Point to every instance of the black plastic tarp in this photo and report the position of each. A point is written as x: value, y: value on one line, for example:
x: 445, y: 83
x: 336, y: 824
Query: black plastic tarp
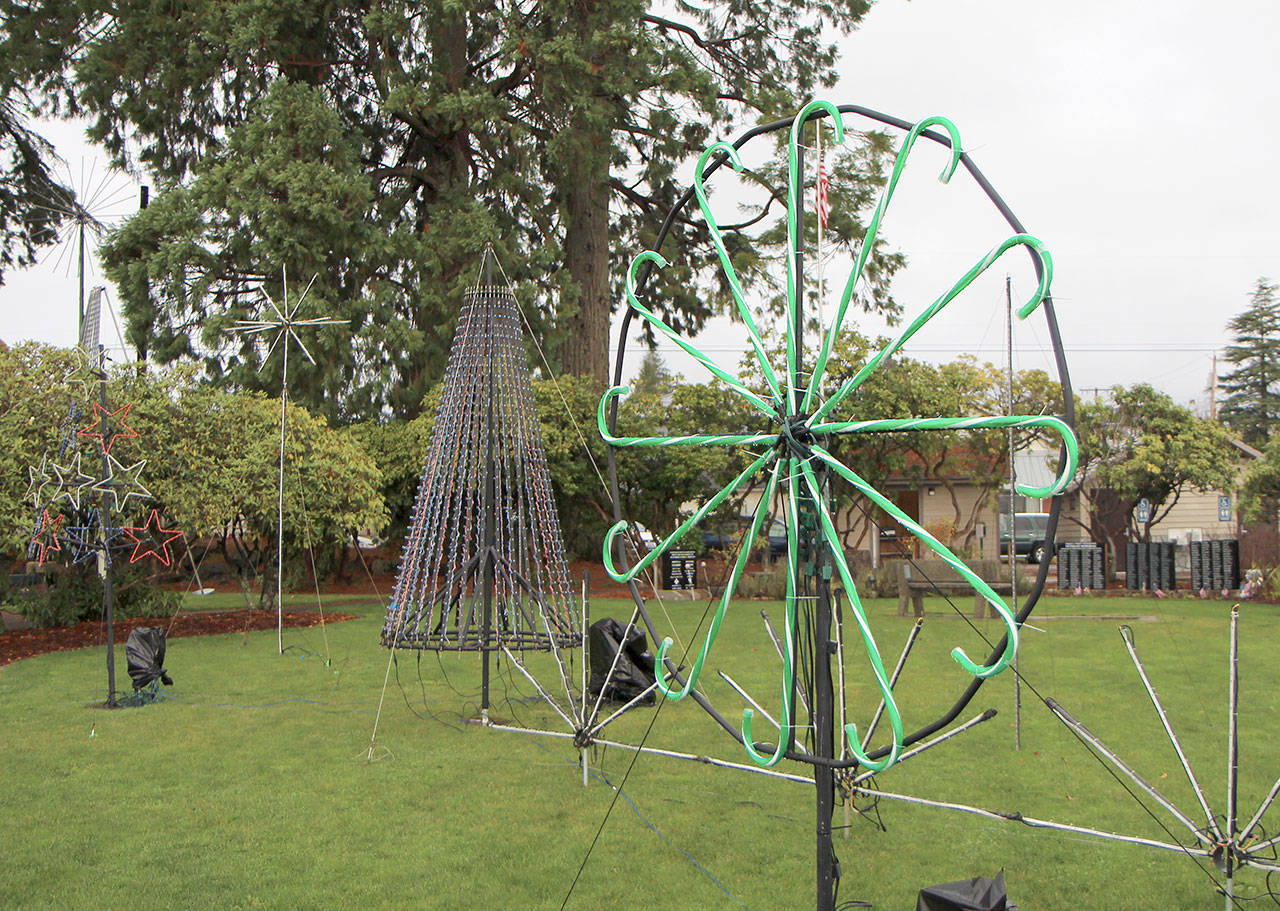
x: 632, y: 673
x: 977, y: 894
x: 145, y: 651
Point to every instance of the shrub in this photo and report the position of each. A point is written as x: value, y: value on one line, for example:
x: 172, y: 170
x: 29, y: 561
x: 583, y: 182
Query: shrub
x: 73, y: 596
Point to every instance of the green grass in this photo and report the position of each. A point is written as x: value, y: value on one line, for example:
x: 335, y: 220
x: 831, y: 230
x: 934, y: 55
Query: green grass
x: 250, y: 789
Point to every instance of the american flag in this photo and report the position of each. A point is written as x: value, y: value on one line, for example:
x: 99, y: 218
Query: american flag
x: 824, y: 201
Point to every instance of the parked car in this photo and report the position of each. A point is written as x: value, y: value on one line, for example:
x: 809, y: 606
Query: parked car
x: 727, y: 539
x: 1029, y: 536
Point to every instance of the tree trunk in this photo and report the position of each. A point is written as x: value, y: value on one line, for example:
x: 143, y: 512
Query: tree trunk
x: 586, y: 257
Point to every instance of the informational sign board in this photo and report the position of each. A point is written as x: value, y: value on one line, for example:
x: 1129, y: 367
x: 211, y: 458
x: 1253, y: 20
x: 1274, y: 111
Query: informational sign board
x: 680, y: 570
x: 1142, y: 512
x: 1224, y: 508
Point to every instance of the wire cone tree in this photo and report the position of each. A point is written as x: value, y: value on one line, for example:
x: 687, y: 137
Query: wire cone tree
x: 483, y: 564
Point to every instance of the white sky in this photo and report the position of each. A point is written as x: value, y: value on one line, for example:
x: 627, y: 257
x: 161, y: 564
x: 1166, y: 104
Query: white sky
x: 1135, y: 139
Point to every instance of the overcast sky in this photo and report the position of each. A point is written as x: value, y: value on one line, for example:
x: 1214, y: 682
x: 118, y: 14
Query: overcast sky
x: 1137, y: 140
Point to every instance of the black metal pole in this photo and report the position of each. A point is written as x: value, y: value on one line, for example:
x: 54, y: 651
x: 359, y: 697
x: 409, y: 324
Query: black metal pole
x: 490, y: 505
x: 823, y: 695
x: 1233, y: 756
x: 108, y: 593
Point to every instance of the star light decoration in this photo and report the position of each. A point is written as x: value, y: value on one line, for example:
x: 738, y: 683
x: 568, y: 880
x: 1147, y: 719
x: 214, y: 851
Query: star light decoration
x: 151, y: 539
x: 39, y: 483
x: 791, y: 449
x: 45, y: 540
x: 87, y: 539
x: 122, y: 482
x: 108, y: 425
x: 72, y: 482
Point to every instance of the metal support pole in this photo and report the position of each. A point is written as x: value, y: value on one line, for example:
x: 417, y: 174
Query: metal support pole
x: 1013, y: 561
x: 108, y: 589
x: 823, y: 695
x: 80, y: 276
x: 284, y: 400
x: 1126, y: 633
x: 586, y: 618
x: 487, y: 566
x: 1233, y: 755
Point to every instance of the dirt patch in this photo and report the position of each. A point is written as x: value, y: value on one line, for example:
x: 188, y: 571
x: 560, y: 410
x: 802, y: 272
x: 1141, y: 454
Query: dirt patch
x: 28, y: 643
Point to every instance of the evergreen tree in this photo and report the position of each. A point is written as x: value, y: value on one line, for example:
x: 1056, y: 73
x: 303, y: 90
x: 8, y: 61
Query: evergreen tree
x: 653, y: 378
x: 380, y: 145
x: 32, y: 201
x: 1251, y: 407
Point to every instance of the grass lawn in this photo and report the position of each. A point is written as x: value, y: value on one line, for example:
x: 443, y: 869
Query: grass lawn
x: 250, y: 788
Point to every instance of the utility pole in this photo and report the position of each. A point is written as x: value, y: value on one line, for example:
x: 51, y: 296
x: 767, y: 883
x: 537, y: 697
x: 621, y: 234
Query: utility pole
x: 1013, y: 522
x: 1213, y: 389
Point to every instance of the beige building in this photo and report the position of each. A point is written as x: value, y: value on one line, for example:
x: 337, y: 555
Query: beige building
x: 966, y: 517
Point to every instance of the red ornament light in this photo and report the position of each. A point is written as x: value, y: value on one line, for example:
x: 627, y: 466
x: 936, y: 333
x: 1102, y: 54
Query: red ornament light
x: 151, y: 539
x: 105, y: 428
x: 46, y: 537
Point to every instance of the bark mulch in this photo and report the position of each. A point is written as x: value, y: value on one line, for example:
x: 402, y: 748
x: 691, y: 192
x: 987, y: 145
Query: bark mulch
x: 27, y: 643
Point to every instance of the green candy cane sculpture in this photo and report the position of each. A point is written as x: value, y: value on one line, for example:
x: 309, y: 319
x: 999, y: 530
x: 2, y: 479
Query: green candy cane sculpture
x: 791, y: 451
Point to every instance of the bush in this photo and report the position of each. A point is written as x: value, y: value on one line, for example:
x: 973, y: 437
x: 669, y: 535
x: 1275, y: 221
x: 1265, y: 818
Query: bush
x: 73, y: 596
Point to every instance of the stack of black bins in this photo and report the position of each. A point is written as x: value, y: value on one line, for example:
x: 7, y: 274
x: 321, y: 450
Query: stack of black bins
x: 1081, y: 566
x: 1149, y: 566
x: 1215, y: 565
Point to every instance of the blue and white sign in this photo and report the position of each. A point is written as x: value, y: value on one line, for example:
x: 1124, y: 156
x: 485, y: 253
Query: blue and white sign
x: 1142, y: 512
x: 1224, y: 508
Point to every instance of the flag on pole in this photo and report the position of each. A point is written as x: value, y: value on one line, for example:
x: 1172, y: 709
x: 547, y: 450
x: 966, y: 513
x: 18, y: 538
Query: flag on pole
x: 824, y: 201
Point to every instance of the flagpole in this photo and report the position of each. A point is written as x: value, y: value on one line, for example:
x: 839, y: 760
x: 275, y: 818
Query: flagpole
x: 822, y: 265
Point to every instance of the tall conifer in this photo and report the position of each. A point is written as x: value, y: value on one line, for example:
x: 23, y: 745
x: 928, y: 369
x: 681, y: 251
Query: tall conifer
x: 1251, y: 407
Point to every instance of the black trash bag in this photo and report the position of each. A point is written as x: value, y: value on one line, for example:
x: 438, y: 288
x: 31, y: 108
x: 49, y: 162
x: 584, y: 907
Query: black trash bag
x: 145, y: 651
x: 977, y: 894
x: 633, y: 673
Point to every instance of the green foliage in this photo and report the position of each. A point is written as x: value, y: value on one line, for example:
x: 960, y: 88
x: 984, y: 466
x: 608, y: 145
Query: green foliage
x: 399, y: 448
x: 576, y: 459
x: 1260, y: 486
x: 214, y: 467
x: 76, y: 595
x: 34, y: 400
x: 1251, y: 407
x: 380, y: 147
x: 1143, y: 445
x: 212, y: 457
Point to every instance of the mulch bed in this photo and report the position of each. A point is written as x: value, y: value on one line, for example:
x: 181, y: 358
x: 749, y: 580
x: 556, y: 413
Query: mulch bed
x: 18, y: 644
x: 28, y: 643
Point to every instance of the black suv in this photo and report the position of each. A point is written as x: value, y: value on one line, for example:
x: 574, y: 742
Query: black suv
x: 1029, y: 536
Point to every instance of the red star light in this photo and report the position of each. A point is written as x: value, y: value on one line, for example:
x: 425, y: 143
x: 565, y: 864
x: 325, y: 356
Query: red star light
x: 46, y: 537
x: 108, y: 425
x: 151, y: 539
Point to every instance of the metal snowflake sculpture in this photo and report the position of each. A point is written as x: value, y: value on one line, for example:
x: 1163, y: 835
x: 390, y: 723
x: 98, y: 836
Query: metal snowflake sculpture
x: 799, y: 421
x: 285, y: 325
